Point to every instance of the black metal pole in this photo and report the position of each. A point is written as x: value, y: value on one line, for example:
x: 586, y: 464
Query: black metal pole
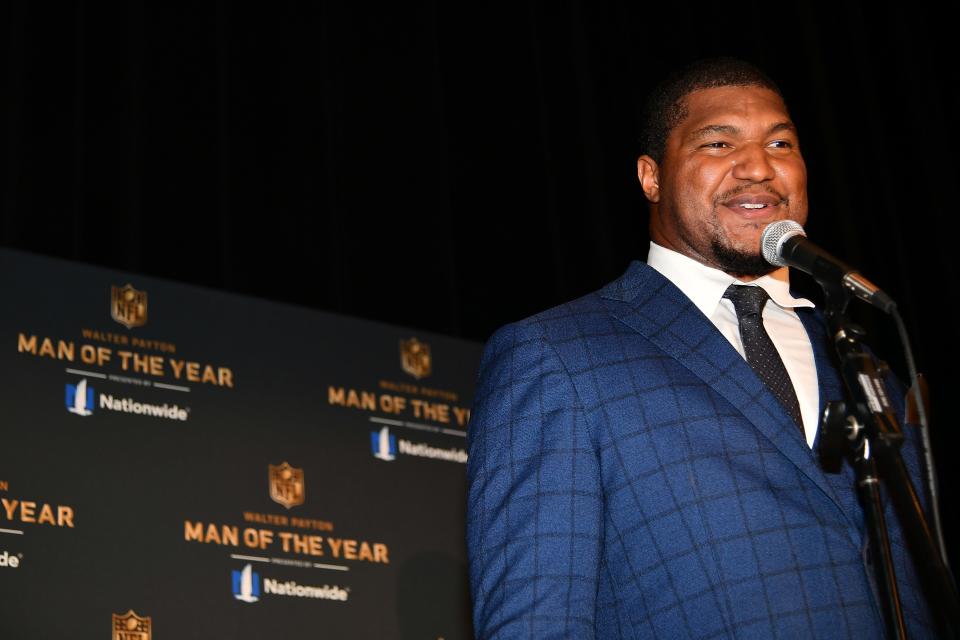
x: 934, y: 574
x: 868, y: 487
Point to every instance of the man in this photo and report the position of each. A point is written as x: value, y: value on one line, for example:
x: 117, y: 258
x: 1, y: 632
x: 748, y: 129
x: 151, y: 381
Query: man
x: 631, y: 475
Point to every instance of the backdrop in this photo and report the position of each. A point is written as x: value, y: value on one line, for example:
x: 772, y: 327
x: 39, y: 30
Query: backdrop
x: 195, y: 464
x: 455, y: 166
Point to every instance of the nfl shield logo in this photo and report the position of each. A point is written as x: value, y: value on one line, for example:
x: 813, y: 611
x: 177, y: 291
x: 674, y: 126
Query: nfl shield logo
x: 130, y: 626
x: 415, y: 357
x: 286, y: 485
x: 128, y: 306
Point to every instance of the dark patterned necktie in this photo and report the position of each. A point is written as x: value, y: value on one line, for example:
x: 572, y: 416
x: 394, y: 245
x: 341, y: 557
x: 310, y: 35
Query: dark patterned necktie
x: 761, y: 354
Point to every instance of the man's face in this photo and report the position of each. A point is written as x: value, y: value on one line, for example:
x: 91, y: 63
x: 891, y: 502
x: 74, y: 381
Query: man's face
x: 729, y: 169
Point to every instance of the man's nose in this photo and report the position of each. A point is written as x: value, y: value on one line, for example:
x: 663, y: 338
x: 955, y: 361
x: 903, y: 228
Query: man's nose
x: 752, y: 162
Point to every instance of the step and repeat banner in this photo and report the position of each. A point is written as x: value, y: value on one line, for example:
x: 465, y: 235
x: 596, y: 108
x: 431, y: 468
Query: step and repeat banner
x: 182, y: 463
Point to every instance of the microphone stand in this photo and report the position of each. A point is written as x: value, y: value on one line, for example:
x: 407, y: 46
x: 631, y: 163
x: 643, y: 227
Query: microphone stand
x: 866, y: 430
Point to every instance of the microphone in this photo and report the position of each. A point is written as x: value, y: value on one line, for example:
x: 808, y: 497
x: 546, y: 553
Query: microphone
x: 784, y: 244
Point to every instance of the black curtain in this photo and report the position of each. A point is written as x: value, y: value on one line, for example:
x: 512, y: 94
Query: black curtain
x: 455, y: 166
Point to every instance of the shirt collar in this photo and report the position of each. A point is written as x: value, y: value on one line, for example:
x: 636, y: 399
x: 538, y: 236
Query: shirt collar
x: 705, y: 285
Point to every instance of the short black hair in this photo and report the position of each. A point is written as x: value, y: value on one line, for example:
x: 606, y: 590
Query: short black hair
x: 666, y: 107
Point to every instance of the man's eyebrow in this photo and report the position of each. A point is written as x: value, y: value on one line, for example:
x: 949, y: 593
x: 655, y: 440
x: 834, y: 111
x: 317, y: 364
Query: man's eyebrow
x: 729, y: 129
x: 714, y: 129
x: 782, y: 126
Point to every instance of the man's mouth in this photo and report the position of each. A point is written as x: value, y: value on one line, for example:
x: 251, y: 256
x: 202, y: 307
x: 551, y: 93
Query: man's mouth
x: 752, y: 203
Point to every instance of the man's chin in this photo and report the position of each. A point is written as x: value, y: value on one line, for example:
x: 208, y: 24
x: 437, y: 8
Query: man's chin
x: 741, y: 263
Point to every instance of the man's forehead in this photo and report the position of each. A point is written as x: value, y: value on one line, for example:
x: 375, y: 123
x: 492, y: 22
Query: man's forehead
x: 734, y: 107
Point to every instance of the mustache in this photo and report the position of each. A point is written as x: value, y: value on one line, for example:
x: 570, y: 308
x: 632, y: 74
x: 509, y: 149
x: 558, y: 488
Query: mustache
x: 753, y: 188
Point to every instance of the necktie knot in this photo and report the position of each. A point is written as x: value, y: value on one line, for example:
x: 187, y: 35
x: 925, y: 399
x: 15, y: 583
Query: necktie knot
x: 746, y: 300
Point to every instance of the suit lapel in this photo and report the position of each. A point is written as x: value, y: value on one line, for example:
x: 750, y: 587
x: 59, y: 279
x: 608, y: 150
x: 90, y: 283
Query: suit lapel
x: 653, y: 306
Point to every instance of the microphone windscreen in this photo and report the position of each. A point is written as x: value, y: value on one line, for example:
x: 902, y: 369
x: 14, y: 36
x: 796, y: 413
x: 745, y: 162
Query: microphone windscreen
x: 773, y: 238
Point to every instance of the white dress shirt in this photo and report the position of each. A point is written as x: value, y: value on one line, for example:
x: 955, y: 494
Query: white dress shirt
x: 705, y: 286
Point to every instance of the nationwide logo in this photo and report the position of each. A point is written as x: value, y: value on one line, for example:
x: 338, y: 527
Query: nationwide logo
x: 291, y: 588
x: 415, y: 357
x: 130, y: 626
x: 128, y: 306
x: 286, y: 485
x: 383, y: 444
x: 129, y: 405
x: 246, y: 588
x: 80, y: 401
x: 80, y: 398
x: 246, y: 585
x: 386, y: 447
x: 8, y: 561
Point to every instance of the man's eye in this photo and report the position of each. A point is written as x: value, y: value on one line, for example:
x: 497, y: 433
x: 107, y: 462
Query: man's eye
x: 716, y: 145
x: 781, y: 144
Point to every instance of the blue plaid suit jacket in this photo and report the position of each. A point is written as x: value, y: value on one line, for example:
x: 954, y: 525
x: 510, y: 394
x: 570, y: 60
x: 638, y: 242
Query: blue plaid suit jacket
x: 629, y: 476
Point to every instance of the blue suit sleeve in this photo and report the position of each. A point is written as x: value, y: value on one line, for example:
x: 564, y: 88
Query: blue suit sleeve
x: 534, y: 504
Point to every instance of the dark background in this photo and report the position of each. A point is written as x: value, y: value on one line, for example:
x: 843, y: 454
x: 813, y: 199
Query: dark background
x: 454, y: 166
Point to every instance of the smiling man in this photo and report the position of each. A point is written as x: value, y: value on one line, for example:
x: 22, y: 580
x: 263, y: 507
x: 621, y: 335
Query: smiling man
x: 641, y: 459
x: 731, y: 167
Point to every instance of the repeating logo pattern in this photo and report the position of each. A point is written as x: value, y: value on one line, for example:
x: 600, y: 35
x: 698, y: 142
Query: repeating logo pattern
x: 130, y: 626
x: 286, y: 485
x: 383, y: 445
x: 80, y: 398
x: 128, y: 306
x: 246, y: 584
x: 415, y: 357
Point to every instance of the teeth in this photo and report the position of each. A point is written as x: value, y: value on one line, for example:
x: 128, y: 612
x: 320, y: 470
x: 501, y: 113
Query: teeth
x: 753, y: 206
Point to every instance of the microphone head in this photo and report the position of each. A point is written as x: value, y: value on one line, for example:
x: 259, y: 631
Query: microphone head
x: 776, y: 233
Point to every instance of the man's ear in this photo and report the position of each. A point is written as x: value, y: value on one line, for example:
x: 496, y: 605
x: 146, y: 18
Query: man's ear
x: 649, y: 174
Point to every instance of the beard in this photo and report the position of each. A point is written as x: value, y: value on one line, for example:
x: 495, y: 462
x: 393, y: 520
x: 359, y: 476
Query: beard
x: 739, y: 263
